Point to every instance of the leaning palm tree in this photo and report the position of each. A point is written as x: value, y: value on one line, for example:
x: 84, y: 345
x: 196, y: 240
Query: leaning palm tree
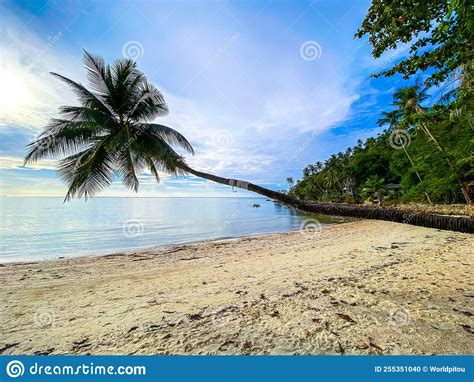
x: 112, y: 134
x: 407, y: 102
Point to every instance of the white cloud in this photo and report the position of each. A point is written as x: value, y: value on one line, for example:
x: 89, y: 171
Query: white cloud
x: 267, y: 99
x: 8, y: 163
x: 29, y: 95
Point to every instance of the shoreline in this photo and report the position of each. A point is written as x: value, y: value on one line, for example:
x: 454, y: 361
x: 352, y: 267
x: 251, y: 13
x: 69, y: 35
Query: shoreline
x: 364, y: 287
x: 164, y: 247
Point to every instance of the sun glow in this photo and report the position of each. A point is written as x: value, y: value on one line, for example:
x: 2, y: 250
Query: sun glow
x: 14, y: 91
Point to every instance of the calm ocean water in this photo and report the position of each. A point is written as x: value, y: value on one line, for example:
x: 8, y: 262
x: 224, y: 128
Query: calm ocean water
x: 44, y: 228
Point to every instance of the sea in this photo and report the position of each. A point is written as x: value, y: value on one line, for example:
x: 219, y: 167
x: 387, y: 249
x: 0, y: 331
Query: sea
x: 45, y: 228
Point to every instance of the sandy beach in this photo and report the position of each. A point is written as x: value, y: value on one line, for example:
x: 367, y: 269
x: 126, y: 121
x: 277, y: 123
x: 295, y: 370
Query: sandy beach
x: 365, y: 287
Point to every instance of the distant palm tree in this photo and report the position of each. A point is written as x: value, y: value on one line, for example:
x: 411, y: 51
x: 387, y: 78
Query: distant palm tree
x: 290, y: 182
x: 333, y: 173
x: 319, y: 166
x: 112, y: 132
x: 392, y: 119
x: 373, y: 189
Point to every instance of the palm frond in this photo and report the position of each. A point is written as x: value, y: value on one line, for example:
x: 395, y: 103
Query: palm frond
x: 149, y: 105
x: 87, y: 98
x: 62, y: 137
x: 87, y: 172
x: 169, y: 135
x: 80, y: 113
x: 128, y: 159
x: 152, y: 165
x: 165, y: 159
x: 97, y: 74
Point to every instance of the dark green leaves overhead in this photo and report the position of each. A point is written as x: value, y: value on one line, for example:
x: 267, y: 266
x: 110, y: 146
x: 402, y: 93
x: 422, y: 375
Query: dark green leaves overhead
x: 439, y: 34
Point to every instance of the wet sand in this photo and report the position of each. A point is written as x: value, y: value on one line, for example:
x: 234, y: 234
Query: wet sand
x: 365, y: 287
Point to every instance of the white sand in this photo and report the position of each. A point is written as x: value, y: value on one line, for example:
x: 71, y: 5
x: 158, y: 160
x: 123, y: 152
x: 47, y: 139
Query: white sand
x: 366, y: 287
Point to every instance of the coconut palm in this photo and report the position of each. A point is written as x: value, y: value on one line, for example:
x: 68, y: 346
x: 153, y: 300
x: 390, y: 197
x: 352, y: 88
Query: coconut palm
x: 407, y: 102
x: 112, y: 134
x: 392, y: 119
x: 373, y: 189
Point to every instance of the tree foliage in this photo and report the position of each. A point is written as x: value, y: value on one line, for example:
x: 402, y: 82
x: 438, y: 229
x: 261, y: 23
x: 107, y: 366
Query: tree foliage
x: 427, y: 149
x: 439, y: 34
x: 414, y: 161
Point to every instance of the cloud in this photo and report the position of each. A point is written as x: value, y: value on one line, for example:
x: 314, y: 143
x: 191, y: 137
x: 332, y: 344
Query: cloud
x: 246, y: 100
x: 29, y: 95
x: 17, y: 163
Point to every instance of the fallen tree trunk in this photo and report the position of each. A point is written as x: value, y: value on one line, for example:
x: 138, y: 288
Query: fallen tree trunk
x: 452, y: 223
x: 445, y: 222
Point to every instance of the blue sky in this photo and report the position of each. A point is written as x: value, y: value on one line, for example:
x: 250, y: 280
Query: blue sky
x: 260, y: 88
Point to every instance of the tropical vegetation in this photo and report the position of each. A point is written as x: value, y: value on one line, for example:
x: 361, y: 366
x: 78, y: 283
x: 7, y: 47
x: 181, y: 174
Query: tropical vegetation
x: 427, y: 146
x: 427, y: 152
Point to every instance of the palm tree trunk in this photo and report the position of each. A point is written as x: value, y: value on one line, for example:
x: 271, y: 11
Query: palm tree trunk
x: 416, y: 172
x: 461, y: 224
x: 446, y: 156
x: 431, y: 136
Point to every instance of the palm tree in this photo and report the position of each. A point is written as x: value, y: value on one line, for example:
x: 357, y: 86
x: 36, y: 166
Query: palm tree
x: 373, y: 189
x: 112, y: 133
x: 290, y: 182
x: 392, y: 119
x: 407, y: 102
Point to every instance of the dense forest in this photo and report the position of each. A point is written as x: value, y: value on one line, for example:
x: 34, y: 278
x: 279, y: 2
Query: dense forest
x: 425, y: 152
